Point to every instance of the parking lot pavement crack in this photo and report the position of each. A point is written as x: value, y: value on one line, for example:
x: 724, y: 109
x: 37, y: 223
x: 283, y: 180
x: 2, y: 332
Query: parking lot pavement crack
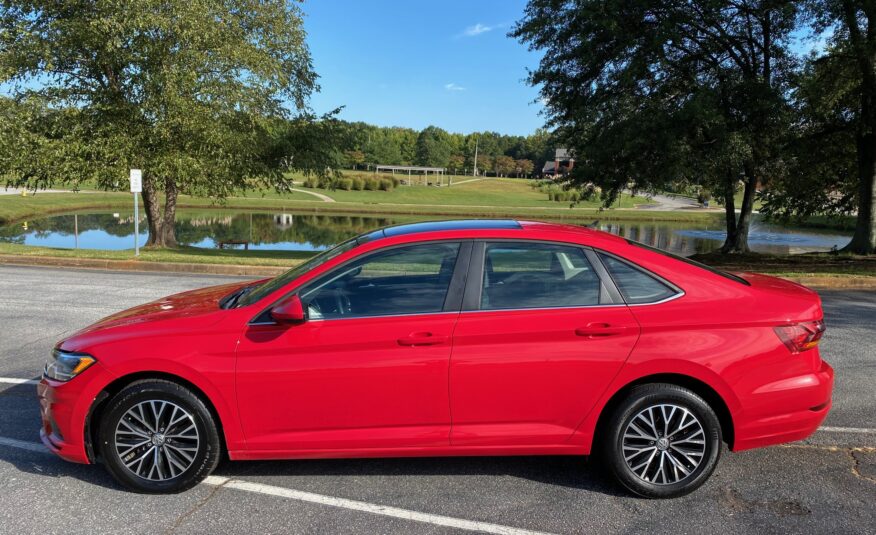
x: 853, y: 452
x: 197, y: 507
x: 856, y: 467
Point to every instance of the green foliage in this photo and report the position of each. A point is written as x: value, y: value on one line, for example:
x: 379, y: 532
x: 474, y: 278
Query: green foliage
x: 650, y: 93
x: 191, y: 92
x: 434, y: 147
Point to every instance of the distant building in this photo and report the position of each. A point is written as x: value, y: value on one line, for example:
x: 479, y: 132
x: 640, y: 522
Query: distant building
x: 562, y: 164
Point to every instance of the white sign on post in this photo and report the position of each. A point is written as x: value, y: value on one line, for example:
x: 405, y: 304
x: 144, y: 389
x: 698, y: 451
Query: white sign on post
x: 136, y: 187
x: 136, y: 181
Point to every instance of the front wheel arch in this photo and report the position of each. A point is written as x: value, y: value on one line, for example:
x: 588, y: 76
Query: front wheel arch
x: 100, y: 404
x: 698, y: 387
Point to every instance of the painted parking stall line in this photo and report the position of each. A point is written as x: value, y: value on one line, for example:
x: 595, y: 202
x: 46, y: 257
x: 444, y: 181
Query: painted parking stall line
x: 331, y: 501
x: 384, y: 510
x: 17, y: 381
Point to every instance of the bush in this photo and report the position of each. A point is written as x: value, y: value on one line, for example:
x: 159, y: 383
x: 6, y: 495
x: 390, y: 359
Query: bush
x: 310, y: 182
x: 358, y: 183
x: 370, y: 184
x: 385, y: 184
x: 345, y: 184
x: 395, y: 182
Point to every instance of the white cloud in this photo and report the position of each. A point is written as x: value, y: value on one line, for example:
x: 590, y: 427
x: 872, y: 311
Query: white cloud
x: 477, y: 29
x: 453, y: 87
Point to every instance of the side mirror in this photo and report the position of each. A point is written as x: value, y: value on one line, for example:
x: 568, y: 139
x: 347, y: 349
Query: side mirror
x: 289, y: 311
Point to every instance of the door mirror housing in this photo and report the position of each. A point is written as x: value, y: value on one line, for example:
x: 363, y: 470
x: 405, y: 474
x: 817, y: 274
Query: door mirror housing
x: 290, y: 310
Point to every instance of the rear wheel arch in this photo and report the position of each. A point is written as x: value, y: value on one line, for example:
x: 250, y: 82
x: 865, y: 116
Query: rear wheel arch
x: 100, y: 405
x: 697, y: 386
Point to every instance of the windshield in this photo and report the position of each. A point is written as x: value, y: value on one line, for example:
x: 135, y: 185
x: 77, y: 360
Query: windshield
x: 278, y: 282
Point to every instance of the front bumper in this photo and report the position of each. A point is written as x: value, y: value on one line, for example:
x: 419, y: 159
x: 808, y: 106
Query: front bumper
x: 786, y: 410
x: 64, y: 410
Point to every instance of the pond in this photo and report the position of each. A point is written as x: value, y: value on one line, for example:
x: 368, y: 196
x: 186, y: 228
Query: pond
x: 313, y: 232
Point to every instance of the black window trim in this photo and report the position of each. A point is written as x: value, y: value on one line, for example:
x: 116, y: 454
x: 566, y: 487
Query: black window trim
x: 452, y: 301
x: 679, y: 292
x: 472, y: 299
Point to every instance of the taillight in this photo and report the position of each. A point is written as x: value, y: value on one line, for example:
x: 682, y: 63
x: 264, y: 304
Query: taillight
x: 801, y: 336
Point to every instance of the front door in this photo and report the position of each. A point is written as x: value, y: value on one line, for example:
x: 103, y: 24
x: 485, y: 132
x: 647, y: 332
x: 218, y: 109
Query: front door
x: 540, y: 348
x: 368, y: 368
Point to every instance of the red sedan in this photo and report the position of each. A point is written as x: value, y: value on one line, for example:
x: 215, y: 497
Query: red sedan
x: 482, y: 337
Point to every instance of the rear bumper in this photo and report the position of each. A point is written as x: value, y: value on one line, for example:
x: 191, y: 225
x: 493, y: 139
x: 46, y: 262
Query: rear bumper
x: 785, y: 411
x: 64, y: 408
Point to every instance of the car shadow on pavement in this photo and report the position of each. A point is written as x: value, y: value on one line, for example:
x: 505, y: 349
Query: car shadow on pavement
x: 566, y: 471
x: 20, y: 420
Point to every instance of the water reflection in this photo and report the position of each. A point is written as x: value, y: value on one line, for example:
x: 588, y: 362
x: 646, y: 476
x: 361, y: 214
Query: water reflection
x: 311, y: 232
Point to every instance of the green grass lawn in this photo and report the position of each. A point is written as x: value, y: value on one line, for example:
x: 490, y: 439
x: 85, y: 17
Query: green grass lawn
x: 504, y: 192
x: 793, y: 265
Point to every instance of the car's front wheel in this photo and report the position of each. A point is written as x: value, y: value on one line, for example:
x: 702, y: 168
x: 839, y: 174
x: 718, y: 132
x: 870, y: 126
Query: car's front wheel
x: 157, y: 436
x: 662, y: 441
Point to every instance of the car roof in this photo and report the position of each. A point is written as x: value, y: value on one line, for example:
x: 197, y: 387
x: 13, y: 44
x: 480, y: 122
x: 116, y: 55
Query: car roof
x: 525, y: 227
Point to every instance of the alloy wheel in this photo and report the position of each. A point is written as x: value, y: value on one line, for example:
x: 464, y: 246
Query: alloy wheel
x: 663, y: 444
x: 157, y: 440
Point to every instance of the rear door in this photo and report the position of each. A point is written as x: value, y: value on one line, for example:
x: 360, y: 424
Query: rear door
x: 539, y: 339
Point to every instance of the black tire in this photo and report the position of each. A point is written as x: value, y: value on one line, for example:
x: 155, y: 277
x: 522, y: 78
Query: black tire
x: 196, y: 421
x: 646, y: 481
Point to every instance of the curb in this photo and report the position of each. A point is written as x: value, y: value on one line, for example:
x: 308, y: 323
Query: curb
x: 137, y: 265
x: 816, y: 282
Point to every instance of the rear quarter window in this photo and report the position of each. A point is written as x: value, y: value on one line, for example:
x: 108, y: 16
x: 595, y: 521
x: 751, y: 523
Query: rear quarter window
x: 636, y: 285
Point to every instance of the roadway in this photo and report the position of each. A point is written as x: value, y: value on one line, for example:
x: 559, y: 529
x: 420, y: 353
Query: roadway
x: 824, y: 484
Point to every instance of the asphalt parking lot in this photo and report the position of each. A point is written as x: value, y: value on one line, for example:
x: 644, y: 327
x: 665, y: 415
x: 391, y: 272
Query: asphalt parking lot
x: 825, y: 484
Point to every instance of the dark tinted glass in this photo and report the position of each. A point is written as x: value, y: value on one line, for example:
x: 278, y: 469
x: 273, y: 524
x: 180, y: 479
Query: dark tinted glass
x: 278, y: 282
x: 404, y: 280
x: 537, y: 275
x: 635, y: 285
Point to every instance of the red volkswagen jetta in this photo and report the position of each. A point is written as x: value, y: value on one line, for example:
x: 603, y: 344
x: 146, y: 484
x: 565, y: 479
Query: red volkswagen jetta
x: 480, y: 337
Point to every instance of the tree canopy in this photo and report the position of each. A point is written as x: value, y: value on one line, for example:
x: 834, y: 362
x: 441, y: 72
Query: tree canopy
x: 188, y: 91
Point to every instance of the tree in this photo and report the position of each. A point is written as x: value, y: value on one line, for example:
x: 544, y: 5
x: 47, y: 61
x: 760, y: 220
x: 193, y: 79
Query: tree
x: 456, y: 162
x: 485, y: 164
x: 434, y: 147
x: 191, y: 92
x: 355, y: 158
x: 524, y: 167
x: 505, y: 165
x: 853, y: 50
x: 646, y: 93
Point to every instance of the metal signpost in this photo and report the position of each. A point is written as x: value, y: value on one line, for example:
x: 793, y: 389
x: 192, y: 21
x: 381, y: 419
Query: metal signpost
x: 136, y: 187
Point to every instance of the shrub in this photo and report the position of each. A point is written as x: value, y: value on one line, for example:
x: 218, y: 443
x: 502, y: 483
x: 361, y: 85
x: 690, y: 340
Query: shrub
x: 370, y: 184
x: 345, y: 184
x: 395, y: 182
x: 358, y: 183
x: 385, y: 184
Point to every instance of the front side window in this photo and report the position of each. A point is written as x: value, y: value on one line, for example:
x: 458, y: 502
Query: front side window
x: 537, y: 275
x: 403, y: 280
x: 635, y: 285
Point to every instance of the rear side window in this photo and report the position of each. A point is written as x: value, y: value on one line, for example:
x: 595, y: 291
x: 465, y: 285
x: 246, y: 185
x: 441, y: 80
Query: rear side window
x: 537, y: 275
x: 635, y: 285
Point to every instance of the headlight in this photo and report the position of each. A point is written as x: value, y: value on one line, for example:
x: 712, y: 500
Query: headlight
x: 65, y: 366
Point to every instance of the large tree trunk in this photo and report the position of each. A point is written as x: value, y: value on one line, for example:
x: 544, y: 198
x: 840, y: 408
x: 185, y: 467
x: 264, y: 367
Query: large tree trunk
x: 153, y: 212
x: 737, y: 229
x: 168, y: 232
x: 161, y: 226
x: 863, y: 44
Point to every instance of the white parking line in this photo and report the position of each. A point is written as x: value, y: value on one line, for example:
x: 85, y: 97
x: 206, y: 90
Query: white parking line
x: 406, y: 514
x: 23, y: 445
x: 331, y: 501
x: 17, y: 381
x: 862, y: 430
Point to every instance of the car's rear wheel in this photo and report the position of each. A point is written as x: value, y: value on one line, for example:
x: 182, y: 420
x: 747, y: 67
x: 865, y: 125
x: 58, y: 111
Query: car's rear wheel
x: 662, y: 441
x: 157, y: 436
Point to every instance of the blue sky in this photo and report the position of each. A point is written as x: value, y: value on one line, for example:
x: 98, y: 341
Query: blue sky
x: 417, y: 63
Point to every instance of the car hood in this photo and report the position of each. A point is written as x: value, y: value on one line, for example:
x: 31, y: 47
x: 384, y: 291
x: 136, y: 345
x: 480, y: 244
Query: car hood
x: 181, y: 305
